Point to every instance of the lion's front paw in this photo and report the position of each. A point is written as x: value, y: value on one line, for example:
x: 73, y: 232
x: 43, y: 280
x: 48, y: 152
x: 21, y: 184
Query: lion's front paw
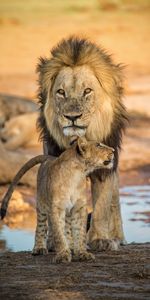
x: 39, y: 251
x: 104, y: 244
x: 84, y: 256
x: 63, y: 256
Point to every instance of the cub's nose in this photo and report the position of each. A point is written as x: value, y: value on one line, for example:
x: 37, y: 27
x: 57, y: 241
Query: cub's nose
x: 111, y: 155
x: 73, y: 118
x: 3, y: 139
x: 110, y: 158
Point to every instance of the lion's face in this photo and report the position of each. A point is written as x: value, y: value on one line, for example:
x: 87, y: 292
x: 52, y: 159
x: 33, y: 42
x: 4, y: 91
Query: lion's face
x: 74, y: 95
x: 76, y: 106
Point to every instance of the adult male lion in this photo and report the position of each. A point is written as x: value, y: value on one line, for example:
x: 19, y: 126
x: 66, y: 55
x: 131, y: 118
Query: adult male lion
x: 80, y: 94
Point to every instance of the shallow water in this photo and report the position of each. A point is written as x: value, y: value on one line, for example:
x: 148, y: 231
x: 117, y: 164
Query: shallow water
x: 16, y: 239
x: 135, y: 207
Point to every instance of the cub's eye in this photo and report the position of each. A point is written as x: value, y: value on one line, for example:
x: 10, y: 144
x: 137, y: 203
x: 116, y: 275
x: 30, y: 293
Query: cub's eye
x: 87, y: 91
x: 61, y: 92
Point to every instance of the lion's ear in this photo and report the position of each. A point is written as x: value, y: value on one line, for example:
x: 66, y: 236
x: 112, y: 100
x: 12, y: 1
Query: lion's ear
x: 81, y: 145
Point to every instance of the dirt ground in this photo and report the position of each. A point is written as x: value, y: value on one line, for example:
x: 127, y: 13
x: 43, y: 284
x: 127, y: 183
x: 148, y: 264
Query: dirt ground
x: 120, y: 275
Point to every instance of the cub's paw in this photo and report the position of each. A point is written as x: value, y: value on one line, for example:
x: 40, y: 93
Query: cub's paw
x: 84, y: 256
x: 39, y: 251
x: 105, y: 244
x: 63, y: 257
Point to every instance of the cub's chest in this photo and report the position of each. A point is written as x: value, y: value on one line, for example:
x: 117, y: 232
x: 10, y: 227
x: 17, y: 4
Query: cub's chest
x: 76, y: 194
x: 71, y: 201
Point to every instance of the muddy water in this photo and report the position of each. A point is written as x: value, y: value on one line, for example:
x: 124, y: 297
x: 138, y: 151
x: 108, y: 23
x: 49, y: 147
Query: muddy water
x: 135, y: 207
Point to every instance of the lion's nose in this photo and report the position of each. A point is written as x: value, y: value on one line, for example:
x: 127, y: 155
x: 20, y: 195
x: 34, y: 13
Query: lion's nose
x: 72, y: 118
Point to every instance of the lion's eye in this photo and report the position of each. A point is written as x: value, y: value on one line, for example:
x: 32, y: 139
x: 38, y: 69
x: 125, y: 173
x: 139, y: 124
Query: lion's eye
x: 61, y: 92
x: 87, y: 91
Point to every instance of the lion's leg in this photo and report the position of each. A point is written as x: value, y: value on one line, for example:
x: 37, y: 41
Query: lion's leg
x: 79, y: 221
x: 41, y: 232
x: 50, y: 239
x: 63, y: 253
x: 115, y: 225
x: 98, y: 235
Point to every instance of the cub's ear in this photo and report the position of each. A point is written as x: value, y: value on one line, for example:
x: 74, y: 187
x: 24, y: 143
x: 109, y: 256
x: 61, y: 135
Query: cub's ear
x: 81, y: 145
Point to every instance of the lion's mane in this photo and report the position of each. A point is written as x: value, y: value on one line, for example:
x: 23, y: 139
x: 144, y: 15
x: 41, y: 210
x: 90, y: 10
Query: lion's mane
x: 77, y: 52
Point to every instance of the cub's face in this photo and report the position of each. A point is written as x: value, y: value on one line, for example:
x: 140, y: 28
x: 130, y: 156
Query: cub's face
x: 96, y: 155
x: 74, y: 95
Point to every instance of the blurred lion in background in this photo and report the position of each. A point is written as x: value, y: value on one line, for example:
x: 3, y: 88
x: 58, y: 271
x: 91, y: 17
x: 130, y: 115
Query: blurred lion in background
x: 20, y: 131
x: 18, y: 116
x: 80, y: 91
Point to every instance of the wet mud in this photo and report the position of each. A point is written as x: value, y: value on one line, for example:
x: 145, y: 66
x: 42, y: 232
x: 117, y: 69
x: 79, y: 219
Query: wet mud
x: 124, y: 274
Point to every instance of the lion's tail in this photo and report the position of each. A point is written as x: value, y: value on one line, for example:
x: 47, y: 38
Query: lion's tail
x: 28, y: 165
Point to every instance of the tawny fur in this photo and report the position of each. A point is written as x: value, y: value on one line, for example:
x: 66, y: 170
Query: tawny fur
x: 12, y: 106
x: 74, y: 65
x: 61, y: 199
x: 20, y: 131
x: 92, y: 67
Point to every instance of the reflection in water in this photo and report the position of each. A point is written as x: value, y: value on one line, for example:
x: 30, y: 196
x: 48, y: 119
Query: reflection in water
x: 16, y: 240
x: 18, y: 232
x: 135, y: 207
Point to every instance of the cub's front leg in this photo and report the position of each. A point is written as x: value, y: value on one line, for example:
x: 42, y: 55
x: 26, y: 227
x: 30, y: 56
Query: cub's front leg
x: 50, y: 239
x: 63, y: 252
x: 79, y: 223
x: 41, y: 232
x: 68, y: 231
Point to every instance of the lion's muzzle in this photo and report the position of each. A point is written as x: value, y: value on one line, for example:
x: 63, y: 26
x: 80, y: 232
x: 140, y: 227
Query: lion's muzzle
x: 74, y: 130
x: 73, y: 117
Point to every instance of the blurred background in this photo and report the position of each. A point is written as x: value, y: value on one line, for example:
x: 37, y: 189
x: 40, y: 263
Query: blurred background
x: 28, y: 30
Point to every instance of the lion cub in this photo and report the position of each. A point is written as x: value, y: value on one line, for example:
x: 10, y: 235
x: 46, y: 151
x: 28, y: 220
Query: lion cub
x: 61, y: 199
